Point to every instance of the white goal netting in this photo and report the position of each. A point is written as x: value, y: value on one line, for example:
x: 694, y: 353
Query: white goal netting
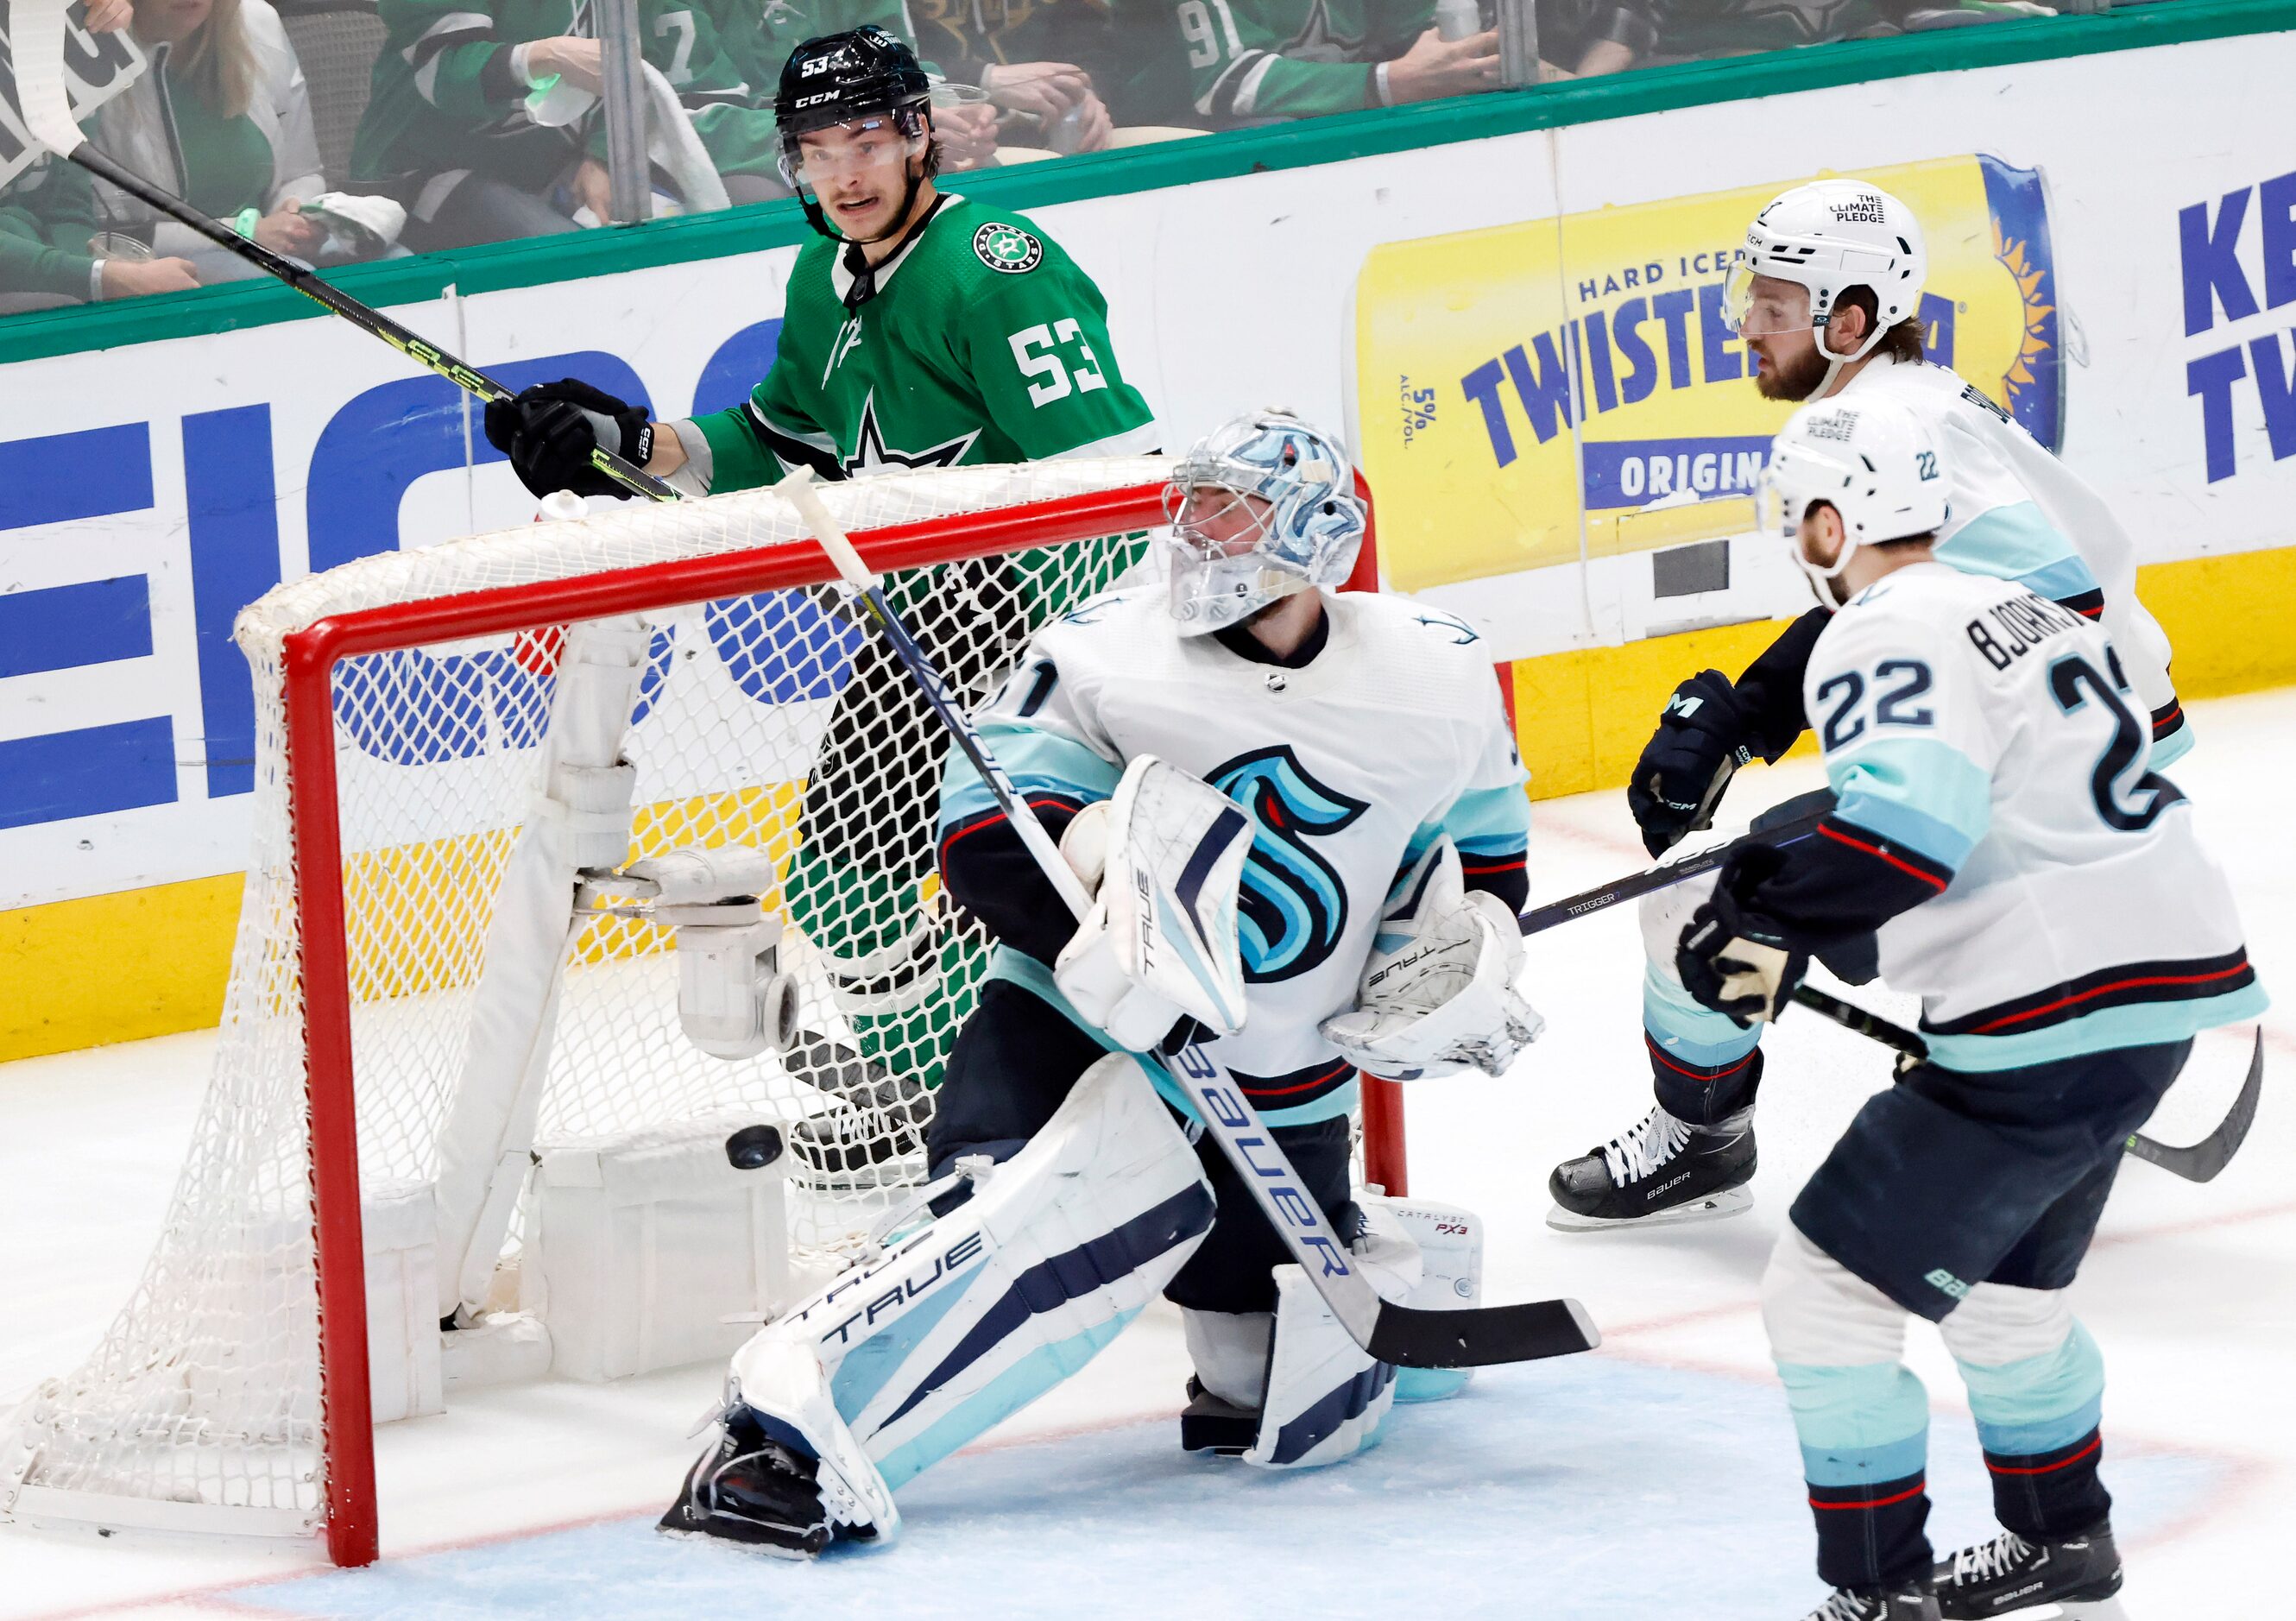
x: 772, y: 720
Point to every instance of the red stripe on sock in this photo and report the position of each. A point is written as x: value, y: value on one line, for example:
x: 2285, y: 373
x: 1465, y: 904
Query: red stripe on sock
x: 1695, y: 1075
x: 1878, y: 1503
x: 2095, y: 1442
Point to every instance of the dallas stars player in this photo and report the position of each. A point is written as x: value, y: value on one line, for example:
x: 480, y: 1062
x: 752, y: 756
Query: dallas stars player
x: 924, y: 331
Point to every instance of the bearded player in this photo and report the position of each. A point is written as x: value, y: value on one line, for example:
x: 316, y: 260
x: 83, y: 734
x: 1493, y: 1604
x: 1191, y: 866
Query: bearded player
x: 1323, y: 791
x: 925, y: 331
x: 1824, y: 294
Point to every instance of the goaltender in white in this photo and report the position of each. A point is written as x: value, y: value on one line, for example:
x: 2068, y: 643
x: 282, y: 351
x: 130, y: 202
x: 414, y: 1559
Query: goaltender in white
x: 1303, y: 820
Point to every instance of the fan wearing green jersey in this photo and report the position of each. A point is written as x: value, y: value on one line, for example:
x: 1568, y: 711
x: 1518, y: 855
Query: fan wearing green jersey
x: 924, y: 330
x: 1240, y: 62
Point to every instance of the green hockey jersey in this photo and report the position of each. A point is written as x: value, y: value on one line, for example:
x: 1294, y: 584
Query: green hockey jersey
x: 446, y: 96
x: 47, y: 213
x: 983, y: 343
x: 1227, y: 62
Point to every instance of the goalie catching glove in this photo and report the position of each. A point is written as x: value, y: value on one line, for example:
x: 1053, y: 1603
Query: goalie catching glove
x: 1165, y: 857
x: 1437, y: 995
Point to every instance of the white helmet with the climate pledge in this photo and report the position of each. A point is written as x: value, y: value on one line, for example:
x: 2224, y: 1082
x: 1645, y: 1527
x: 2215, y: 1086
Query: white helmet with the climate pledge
x: 1830, y: 236
x: 1878, y: 463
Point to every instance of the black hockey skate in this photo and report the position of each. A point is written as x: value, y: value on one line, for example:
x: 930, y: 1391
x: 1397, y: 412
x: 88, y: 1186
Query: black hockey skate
x: 1664, y: 1170
x: 755, y: 1491
x: 877, y: 1123
x: 2009, y: 1576
x: 1914, y: 1602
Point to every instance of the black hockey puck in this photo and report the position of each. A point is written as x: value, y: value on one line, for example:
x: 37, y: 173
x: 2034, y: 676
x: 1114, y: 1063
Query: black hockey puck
x: 753, y: 1147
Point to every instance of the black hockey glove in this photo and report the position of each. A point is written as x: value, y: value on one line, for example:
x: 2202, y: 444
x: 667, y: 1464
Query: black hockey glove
x: 1702, y: 738
x: 549, y: 431
x: 1733, y: 959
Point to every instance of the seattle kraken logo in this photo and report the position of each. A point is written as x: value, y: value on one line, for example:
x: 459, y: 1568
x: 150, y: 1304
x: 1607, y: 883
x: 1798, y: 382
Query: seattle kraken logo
x: 1293, y: 908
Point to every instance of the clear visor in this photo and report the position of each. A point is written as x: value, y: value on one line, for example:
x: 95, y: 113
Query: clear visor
x: 1774, y: 512
x: 820, y: 156
x: 1762, y: 305
x: 1210, y: 521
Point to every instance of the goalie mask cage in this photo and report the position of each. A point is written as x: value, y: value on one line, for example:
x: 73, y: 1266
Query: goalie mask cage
x: 403, y: 703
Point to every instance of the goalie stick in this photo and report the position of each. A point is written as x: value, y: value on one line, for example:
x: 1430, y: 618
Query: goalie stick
x: 1472, y: 1337
x: 2200, y: 1162
x: 38, y: 41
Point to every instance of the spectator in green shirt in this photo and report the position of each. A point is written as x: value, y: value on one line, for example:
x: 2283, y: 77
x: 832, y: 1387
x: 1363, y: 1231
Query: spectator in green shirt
x: 222, y: 118
x: 47, y: 218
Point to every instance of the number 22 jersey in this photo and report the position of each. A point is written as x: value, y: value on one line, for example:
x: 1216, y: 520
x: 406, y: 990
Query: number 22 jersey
x: 1982, y: 741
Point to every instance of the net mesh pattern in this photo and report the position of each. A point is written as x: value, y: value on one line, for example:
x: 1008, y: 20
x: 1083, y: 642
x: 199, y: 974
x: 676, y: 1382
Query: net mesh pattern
x: 772, y: 720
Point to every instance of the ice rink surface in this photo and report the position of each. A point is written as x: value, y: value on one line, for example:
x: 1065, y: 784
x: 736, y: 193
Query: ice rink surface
x: 1655, y: 1478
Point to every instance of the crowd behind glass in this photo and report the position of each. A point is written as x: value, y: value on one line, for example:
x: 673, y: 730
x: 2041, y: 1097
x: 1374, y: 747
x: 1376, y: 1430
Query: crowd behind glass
x: 342, y: 130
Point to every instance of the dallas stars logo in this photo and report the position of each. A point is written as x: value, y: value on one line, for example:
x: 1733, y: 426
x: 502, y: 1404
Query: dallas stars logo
x: 1007, y: 249
x: 872, y: 455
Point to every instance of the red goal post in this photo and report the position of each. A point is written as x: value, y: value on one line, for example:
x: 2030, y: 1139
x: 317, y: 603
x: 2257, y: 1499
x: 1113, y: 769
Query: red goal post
x: 306, y: 953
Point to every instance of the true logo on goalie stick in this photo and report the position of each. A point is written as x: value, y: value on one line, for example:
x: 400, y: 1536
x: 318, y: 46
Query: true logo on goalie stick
x: 1007, y: 249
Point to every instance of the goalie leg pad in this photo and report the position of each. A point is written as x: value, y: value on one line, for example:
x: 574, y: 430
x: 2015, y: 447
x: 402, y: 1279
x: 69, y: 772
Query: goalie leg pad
x: 968, y: 1319
x: 1326, y: 1396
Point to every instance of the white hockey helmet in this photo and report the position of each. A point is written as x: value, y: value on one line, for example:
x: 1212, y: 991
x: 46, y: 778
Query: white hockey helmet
x: 1830, y: 236
x: 1878, y: 463
x: 1230, y: 557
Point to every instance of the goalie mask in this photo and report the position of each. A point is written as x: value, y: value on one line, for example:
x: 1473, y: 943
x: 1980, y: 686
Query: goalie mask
x: 1261, y: 507
x: 868, y: 84
x: 1877, y: 464
x: 1828, y: 237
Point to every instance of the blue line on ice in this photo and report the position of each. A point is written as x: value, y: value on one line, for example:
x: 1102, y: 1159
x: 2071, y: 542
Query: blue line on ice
x: 1592, y: 1489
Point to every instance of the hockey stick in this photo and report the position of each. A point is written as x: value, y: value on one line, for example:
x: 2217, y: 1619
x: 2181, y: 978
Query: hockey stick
x: 1638, y: 884
x: 1402, y: 1335
x: 47, y: 109
x: 2199, y: 1163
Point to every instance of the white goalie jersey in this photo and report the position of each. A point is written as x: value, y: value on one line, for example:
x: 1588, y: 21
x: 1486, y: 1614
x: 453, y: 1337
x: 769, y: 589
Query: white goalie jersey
x: 1350, y: 767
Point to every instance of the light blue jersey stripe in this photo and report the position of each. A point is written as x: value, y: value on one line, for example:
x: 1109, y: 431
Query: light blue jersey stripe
x: 2013, y: 543
x: 1919, y: 791
x: 2170, y: 749
x: 1036, y: 760
x: 2060, y: 582
x: 1857, y: 1425
x: 2146, y: 1024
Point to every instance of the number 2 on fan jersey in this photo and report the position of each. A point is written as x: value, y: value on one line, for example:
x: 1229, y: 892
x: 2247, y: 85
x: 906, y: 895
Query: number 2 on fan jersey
x: 1035, y: 350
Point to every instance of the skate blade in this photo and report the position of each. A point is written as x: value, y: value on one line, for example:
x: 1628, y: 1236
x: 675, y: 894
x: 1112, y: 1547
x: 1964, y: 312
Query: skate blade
x: 1711, y: 1207
x: 2092, y: 1610
x: 740, y: 1545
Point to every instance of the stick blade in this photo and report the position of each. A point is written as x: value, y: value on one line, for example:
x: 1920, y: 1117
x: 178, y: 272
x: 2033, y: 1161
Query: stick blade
x: 37, y: 41
x: 2206, y: 1159
x: 1483, y: 1336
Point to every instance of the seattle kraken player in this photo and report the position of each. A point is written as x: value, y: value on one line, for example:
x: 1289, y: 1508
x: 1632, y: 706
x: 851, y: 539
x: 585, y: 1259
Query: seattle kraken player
x: 1325, y: 783
x: 1999, y: 832
x: 1824, y: 294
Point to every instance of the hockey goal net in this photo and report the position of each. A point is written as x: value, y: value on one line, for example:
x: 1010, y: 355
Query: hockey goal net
x: 405, y: 708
